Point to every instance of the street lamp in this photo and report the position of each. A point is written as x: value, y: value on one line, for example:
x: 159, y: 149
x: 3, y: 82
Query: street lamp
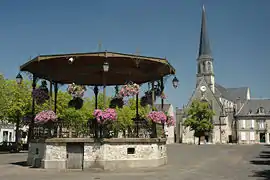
x: 105, y: 66
x: 175, y: 82
x: 19, y: 78
x: 105, y: 70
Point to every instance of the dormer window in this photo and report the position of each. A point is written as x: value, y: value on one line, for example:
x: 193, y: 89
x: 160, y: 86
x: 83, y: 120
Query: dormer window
x: 260, y: 110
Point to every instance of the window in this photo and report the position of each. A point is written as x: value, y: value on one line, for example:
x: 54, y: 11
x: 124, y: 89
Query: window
x: 261, y: 124
x: 5, y: 136
x: 260, y: 110
x: 243, y: 124
x: 243, y: 136
x: 252, y: 124
x: 252, y: 136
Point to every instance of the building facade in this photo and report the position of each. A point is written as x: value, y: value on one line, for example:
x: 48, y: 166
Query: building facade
x: 7, y: 132
x: 236, y: 116
x: 253, y: 122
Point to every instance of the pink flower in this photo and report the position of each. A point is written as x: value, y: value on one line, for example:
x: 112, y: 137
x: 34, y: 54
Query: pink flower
x: 129, y: 90
x: 106, y: 115
x: 157, y: 117
x: 170, y: 121
x: 45, y: 116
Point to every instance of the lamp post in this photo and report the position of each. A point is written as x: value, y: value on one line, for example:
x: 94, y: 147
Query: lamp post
x: 19, y: 80
x: 105, y: 70
x: 175, y: 82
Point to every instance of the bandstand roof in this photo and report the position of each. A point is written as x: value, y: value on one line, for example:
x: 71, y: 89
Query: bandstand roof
x: 87, y: 68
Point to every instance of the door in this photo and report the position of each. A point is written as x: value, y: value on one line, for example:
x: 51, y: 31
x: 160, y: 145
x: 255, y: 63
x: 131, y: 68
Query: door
x: 74, y: 156
x: 262, y: 137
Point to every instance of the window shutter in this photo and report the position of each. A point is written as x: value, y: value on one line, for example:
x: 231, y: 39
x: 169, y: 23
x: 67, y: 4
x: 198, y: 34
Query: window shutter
x: 252, y: 136
x: 243, y: 136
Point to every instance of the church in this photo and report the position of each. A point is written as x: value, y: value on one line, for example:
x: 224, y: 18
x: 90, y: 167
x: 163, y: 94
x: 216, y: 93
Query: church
x: 238, y: 117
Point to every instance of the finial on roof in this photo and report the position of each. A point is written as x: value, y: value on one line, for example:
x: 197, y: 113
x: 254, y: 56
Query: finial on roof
x: 204, y: 48
x: 99, y: 46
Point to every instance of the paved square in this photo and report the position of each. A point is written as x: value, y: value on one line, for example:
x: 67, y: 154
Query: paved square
x: 187, y: 162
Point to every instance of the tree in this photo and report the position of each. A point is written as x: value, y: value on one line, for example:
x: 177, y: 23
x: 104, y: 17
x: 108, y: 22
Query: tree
x: 199, y: 117
x: 127, y: 113
x: 17, y: 102
x: 3, y: 96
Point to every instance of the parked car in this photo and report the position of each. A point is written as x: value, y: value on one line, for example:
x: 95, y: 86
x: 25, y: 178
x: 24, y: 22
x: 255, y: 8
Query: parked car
x: 12, y: 147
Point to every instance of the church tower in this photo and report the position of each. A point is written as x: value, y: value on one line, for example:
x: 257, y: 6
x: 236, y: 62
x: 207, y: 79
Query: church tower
x: 205, y: 61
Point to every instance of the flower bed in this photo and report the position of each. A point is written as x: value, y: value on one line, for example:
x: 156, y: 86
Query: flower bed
x: 106, y: 115
x: 45, y: 116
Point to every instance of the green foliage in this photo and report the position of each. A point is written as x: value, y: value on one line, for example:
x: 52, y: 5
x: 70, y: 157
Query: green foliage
x: 127, y: 113
x: 199, y: 118
x: 68, y: 114
x: 17, y: 99
x: 3, y: 96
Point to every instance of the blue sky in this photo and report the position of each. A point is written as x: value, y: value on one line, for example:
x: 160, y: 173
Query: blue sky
x: 238, y: 31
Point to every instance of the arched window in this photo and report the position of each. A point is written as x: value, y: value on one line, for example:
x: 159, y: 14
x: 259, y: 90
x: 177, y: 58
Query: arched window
x: 205, y: 67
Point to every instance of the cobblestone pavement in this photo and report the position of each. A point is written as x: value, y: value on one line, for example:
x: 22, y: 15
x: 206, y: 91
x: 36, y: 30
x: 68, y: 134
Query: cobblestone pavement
x: 186, y: 162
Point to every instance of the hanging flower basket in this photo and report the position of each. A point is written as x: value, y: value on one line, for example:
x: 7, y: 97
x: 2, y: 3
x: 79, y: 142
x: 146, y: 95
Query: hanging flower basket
x: 117, y: 102
x: 40, y: 95
x: 158, y: 117
x: 105, y: 116
x: 147, y: 98
x: 76, y: 90
x: 45, y: 117
x: 76, y: 102
x: 130, y: 89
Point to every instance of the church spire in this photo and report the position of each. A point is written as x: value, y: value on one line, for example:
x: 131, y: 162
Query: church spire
x: 204, y: 49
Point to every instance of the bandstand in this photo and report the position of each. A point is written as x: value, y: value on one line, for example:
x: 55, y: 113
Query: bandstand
x: 93, y: 149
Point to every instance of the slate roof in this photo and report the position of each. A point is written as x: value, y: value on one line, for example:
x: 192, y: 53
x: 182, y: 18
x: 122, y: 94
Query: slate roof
x: 204, y: 48
x: 251, y: 107
x: 165, y: 107
x: 231, y: 93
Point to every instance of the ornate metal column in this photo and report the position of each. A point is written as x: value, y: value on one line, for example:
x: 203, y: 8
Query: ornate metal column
x: 96, y: 106
x: 31, y: 125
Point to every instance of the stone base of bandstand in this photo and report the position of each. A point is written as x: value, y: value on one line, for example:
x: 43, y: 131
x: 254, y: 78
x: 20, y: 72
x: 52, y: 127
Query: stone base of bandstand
x: 107, y: 154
